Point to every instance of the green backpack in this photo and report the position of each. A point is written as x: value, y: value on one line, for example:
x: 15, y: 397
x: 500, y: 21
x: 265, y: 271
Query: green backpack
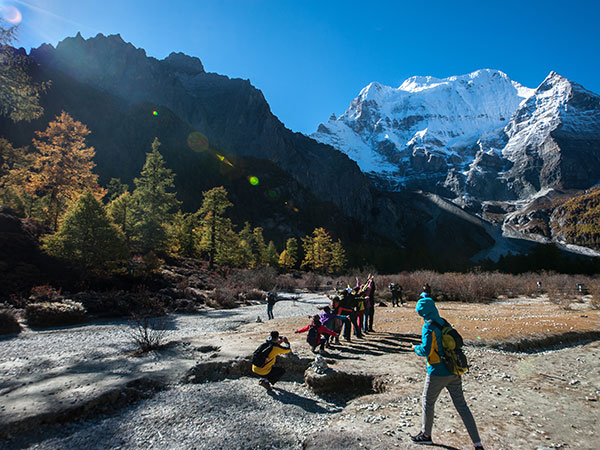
x: 452, y: 342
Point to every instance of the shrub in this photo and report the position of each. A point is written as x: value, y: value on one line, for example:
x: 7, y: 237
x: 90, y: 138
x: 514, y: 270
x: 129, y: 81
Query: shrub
x: 286, y: 283
x: 8, y: 322
x: 265, y: 278
x: 47, y: 314
x: 252, y: 294
x: 147, y: 332
x: 223, y: 297
x: 44, y: 293
x: 311, y: 281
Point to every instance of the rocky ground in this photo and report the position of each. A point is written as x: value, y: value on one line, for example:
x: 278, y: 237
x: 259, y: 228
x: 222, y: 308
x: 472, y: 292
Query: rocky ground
x: 83, y: 386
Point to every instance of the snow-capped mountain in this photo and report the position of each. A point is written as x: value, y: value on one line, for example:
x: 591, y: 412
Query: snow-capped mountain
x: 479, y: 135
x: 551, y: 141
x: 424, y: 126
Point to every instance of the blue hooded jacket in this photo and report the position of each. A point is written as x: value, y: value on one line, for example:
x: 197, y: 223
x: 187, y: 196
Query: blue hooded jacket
x: 431, y: 338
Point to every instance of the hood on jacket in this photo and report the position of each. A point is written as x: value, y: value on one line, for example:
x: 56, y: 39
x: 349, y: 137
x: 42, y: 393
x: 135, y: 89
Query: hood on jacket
x: 427, y: 310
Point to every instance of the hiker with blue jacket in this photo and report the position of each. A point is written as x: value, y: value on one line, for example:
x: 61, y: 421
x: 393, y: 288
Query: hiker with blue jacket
x: 438, y: 375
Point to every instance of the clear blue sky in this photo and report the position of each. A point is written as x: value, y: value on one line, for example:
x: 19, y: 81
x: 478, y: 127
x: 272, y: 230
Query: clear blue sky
x: 311, y: 58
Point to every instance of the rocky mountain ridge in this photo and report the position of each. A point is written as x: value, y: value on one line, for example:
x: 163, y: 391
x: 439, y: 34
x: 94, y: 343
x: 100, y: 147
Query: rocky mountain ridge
x: 231, y: 113
x: 482, y: 140
x: 479, y: 135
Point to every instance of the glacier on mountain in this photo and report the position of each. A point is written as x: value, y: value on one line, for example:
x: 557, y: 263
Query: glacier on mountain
x: 479, y: 136
x: 385, y: 127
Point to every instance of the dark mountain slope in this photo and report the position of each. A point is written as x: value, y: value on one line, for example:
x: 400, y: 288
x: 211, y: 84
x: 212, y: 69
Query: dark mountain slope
x: 232, y: 113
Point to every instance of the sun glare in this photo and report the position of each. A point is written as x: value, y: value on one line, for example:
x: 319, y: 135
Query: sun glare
x: 11, y: 14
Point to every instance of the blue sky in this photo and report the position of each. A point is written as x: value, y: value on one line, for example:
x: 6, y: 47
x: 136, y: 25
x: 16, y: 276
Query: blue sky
x: 311, y: 58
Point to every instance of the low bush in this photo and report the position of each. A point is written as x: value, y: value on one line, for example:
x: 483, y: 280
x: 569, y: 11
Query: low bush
x: 44, y: 293
x: 48, y: 314
x: 147, y: 332
x: 286, y: 283
x: 8, y: 322
x: 311, y: 281
x: 223, y: 297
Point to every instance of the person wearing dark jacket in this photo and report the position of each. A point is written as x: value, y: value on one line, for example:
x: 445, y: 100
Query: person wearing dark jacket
x: 347, y: 307
x: 316, y: 329
x: 271, y: 300
x: 439, y: 377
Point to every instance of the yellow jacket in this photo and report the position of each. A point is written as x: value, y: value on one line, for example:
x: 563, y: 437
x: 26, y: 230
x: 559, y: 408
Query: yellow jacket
x: 277, y: 350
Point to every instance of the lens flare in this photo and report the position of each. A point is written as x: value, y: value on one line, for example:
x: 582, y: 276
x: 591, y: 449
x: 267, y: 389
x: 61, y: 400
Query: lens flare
x: 197, y: 141
x: 155, y: 113
x: 224, y: 160
x: 11, y: 14
x: 253, y: 180
x: 273, y: 194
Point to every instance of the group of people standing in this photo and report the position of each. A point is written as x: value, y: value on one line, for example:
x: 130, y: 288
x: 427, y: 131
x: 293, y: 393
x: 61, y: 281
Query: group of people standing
x: 352, y: 307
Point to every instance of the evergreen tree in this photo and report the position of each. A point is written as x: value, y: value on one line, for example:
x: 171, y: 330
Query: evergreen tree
x: 63, y: 165
x: 184, y: 234
x: 19, y: 95
x: 154, y: 203
x: 243, y: 254
x: 213, y: 226
x: 272, y: 255
x: 122, y: 211
x: 227, y: 246
x: 87, y: 237
x: 115, y: 188
x: 15, y: 167
x: 289, y: 257
x: 338, y: 257
x: 259, y: 248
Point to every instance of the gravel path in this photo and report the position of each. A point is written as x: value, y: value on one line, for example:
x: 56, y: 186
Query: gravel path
x: 38, y: 351
x: 232, y: 413
x: 228, y: 414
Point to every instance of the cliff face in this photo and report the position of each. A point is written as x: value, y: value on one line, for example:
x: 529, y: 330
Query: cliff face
x: 231, y: 113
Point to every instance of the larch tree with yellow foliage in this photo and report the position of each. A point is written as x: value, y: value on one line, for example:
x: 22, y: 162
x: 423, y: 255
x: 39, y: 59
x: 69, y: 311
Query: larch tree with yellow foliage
x: 289, y: 257
x: 62, y: 166
x: 317, y: 250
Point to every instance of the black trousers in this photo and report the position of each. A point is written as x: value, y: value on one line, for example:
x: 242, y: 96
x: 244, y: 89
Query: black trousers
x: 275, y: 374
x: 347, y: 331
x: 369, y: 314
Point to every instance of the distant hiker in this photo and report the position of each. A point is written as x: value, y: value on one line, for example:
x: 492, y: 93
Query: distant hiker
x: 263, y: 359
x: 370, y: 300
x: 539, y: 286
x: 315, y: 330
x: 580, y: 288
x: 271, y: 300
x: 439, y: 377
x: 396, y: 291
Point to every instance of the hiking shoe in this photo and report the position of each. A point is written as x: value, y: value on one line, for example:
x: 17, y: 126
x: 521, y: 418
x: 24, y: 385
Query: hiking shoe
x: 421, y: 438
x: 478, y: 447
x: 265, y: 383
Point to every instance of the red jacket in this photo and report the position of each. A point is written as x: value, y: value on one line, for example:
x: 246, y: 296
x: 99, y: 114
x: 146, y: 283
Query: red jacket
x: 321, y: 330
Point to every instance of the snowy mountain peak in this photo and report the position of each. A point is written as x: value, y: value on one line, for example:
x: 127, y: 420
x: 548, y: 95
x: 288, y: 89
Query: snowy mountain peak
x: 386, y: 126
